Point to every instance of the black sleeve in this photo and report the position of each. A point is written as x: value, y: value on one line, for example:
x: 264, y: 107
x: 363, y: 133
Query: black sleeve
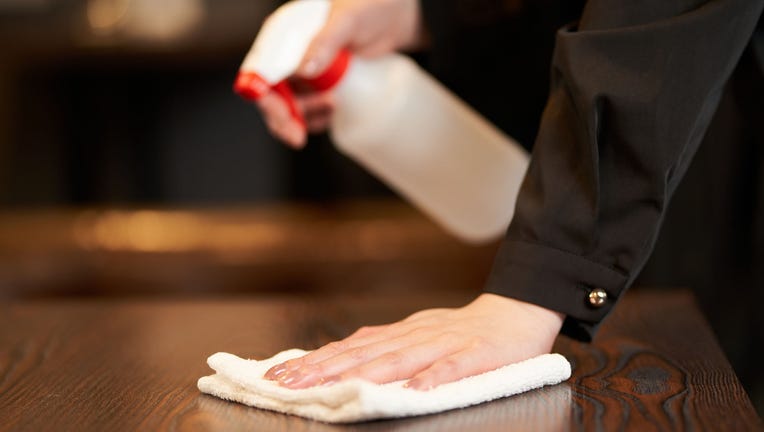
x: 634, y: 87
x: 490, y: 52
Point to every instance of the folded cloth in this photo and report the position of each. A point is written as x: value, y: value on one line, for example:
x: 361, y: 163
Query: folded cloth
x: 242, y: 381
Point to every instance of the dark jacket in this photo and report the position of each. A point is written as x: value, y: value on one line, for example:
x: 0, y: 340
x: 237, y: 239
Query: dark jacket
x: 634, y: 87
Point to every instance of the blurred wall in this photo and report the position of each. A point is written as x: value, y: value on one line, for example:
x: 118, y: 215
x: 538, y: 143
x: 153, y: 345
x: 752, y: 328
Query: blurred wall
x: 130, y: 101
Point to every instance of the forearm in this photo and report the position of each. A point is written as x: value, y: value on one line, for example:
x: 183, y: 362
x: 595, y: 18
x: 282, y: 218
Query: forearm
x: 634, y: 88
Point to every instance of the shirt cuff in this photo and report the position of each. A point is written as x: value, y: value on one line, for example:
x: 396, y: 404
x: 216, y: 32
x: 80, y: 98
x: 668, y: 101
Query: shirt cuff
x: 584, y: 290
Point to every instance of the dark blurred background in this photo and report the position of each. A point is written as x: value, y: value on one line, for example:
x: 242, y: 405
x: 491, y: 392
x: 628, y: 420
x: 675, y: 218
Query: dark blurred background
x: 129, y: 101
x: 128, y: 167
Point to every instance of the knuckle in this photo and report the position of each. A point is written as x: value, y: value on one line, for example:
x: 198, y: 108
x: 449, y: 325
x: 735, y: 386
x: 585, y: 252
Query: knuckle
x: 393, y: 358
x: 448, y: 366
x: 419, y: 333
x: 336, y: 347
x: 398, y: 328
x: 479, y: 343
x: 343, y: 18
x: 363, y: 331
x: 417, y: 315
x: 358, y: 354
x: 423, y: 313
x: 315, y: 369
x: 447, y: 338
x: 428, y: 314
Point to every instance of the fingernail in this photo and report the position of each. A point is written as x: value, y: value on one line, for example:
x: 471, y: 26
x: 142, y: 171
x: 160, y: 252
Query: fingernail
x: 330, y: 381
x: 290, y: 378
x: 418, y: 385
x: 300, y: 380
x: 275, y: 372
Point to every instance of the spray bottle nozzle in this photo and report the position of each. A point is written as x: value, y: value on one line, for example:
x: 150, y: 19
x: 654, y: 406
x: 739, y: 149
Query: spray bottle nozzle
x: 329, y: 78
x: 252, y: 86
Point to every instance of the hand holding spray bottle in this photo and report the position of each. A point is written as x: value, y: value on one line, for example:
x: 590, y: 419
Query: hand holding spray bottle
x: 399, y: 123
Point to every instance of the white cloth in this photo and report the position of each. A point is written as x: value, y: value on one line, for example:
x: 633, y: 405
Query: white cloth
x: 242, y: 381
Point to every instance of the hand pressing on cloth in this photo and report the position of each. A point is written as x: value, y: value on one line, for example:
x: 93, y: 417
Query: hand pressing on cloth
x: 368, y: 28
x: 433, y: 361
x: 431, y: 347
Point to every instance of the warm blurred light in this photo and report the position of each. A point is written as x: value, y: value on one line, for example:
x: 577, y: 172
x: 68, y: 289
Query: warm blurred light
x: 158, y: 20
x: 153, y: 231
x: 105, y: 16
x: 163, y: 20
x: 237, y: 240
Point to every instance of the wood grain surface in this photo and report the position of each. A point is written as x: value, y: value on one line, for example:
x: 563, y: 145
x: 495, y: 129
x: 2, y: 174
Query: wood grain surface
x: 110, y: 365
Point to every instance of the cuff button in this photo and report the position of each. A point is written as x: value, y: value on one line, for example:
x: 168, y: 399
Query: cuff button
x: 597, y: 297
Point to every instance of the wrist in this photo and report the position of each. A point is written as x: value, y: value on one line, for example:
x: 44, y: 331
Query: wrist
x: 546, y: 320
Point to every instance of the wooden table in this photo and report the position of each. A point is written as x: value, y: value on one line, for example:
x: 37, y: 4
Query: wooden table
x: 109, y: 365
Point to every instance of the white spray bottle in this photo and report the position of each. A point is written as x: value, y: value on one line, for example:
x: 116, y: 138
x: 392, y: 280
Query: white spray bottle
x: 400, y: 124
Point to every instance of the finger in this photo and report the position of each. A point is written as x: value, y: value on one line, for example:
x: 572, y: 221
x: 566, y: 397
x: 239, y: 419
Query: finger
x: 355, y: 360
x: 292, y: 134
x: 324, y: 48
x: 401, y: 364
x: 316, y: 102
x: 280, y: 122
x: 318, y: 109
x: 362, y: 336
x: 454, y: 367
x: 318, y: 123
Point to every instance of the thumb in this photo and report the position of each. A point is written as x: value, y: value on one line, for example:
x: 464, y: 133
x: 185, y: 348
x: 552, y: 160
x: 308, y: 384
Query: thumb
x: 325, y: 47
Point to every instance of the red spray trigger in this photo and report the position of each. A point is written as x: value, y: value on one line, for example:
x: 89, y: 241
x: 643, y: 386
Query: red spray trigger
x: 251, y: 86
x: 332, y: 75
